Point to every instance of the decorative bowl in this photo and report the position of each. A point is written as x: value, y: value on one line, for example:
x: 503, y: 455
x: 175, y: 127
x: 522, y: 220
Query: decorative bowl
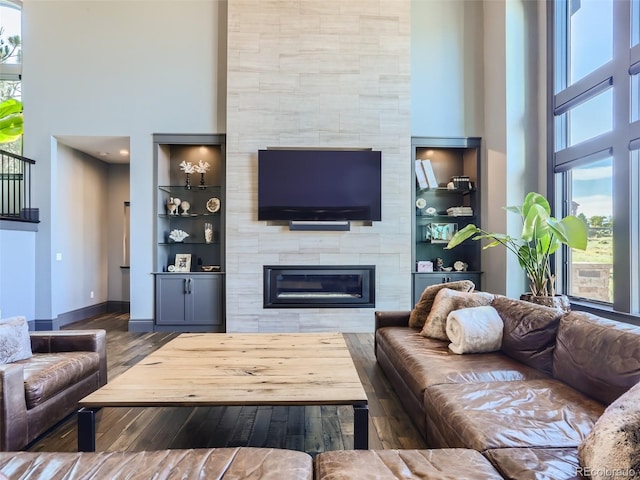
x: 210, y: 268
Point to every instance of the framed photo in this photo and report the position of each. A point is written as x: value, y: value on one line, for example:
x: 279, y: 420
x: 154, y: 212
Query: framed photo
x: 183, y: 262
x: 441, y: 232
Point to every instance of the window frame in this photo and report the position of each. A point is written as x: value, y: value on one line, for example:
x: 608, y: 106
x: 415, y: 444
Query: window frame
x: 12, y: 71
x: 619, y: 143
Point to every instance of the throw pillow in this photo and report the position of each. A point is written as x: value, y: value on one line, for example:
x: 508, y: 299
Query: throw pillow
x: 613, y: 445
x: 15, y: 343
x: 423, y: 306
x: 529, y: 332
x: 447, y: 301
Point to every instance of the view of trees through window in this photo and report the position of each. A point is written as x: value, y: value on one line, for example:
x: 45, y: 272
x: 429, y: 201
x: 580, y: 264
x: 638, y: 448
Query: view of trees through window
x: 594, y: 123
x: 10, y: 60
x: 591, y: 200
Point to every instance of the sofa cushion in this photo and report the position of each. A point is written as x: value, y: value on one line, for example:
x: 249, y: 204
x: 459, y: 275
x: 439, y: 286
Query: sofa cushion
x: 614, y: 442
x: 46, y: 375
x: 421, y: 309
x: 445, y: 302
x: 535, y: 463
x: 599, y: 357
x: 533, y: 413
x: 15, y: 343
x: 529, y: 333
x: 441, y: 464
x: 237, y: 463
x: 424, y: 361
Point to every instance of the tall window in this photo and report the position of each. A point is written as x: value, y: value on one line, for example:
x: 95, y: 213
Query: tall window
x: 11, y: 57
x: 596, y: 116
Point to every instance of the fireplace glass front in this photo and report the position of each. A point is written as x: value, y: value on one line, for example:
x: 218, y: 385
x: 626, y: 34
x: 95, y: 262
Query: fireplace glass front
x: 339, y: 286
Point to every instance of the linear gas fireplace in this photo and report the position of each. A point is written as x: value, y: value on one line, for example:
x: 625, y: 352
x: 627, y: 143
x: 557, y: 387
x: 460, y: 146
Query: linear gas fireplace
x: 336, y: 286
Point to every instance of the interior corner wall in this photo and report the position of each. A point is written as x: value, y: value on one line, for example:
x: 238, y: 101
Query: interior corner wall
x: 317, y: 73
x: 81, y: 231
x: 513, y: 138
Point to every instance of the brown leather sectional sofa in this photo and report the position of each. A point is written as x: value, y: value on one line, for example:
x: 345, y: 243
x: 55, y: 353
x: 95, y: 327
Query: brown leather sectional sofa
x: 519, y: 413
x: 38, y: 392
x: 527, y: 407
x: 248, y: 463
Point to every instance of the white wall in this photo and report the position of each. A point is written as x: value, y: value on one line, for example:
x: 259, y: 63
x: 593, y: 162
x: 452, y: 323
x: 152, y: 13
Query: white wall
x: 116, y: 68
x: 81, y: 233
x: 515, y: 143
x: 446, y: 68
x: 17, y: 271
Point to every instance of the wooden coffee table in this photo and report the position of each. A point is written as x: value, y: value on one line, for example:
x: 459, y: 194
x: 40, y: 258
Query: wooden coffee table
x: 207, y: 369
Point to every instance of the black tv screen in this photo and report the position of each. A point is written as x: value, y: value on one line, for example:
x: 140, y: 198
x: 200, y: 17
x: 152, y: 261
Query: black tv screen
x: 321, y: 185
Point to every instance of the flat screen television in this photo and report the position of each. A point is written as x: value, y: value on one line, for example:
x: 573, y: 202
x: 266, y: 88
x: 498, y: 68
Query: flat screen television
x: 319, y: 185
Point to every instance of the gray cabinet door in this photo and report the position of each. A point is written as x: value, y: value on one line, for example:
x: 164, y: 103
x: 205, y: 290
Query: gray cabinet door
x: 204, y: 300
x: 170, y: 299
x: 423, y: 280
x: 189, y: 299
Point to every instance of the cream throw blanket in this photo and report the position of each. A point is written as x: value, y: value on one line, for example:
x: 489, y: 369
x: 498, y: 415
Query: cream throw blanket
x: 474, y: 330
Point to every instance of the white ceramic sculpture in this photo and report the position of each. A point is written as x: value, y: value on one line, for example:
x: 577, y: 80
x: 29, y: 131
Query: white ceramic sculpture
x: 178, y: 235
x: 185, y: 206
x: 171, y: 207
x: 208, y: 233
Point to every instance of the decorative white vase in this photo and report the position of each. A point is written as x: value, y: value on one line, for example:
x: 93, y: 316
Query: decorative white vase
x: 208, y: 233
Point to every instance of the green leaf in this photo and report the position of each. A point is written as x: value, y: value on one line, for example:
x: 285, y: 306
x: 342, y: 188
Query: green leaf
x: 9, y: 107
x: 499, y: 237
x: 571, y: 231
x: 495, y: 243
x: 533, y: 200
x: 11, y: 120
x: 525, y: 257
x: 461, y: 235
x: 535, y: 224
x: 11, y: 128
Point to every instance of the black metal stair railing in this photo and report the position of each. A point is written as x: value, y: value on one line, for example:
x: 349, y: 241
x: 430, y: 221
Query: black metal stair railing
x: 15, y: 188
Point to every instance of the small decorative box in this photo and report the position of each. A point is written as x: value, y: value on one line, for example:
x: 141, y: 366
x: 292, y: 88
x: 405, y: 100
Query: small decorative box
x: 424, y: 266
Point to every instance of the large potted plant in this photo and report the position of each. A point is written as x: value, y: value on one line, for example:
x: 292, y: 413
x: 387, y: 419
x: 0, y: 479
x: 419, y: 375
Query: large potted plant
x: 541, y: 236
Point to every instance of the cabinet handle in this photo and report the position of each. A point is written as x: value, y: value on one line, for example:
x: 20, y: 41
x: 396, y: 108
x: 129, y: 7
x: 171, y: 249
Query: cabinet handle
x: 189, y: 286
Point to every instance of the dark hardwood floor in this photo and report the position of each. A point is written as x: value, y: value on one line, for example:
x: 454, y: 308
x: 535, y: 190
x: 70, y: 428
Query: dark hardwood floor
x: 312, y: 429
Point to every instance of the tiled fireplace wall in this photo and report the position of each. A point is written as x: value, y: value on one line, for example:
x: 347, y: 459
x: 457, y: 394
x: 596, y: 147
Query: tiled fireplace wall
x: 317, y: 73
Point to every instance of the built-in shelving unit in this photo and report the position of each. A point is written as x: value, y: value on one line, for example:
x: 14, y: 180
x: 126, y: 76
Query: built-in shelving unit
x: 189, y: 295
x: 453, y: 167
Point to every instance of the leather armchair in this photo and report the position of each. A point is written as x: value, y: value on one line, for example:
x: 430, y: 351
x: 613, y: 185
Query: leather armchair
x: 38, y: 392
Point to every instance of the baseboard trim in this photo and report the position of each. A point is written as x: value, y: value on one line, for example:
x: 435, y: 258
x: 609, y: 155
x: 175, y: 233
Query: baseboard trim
x: 70, y: 317
x: 189, y: 328
x: 141, y: 326
x: 114, y: 306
